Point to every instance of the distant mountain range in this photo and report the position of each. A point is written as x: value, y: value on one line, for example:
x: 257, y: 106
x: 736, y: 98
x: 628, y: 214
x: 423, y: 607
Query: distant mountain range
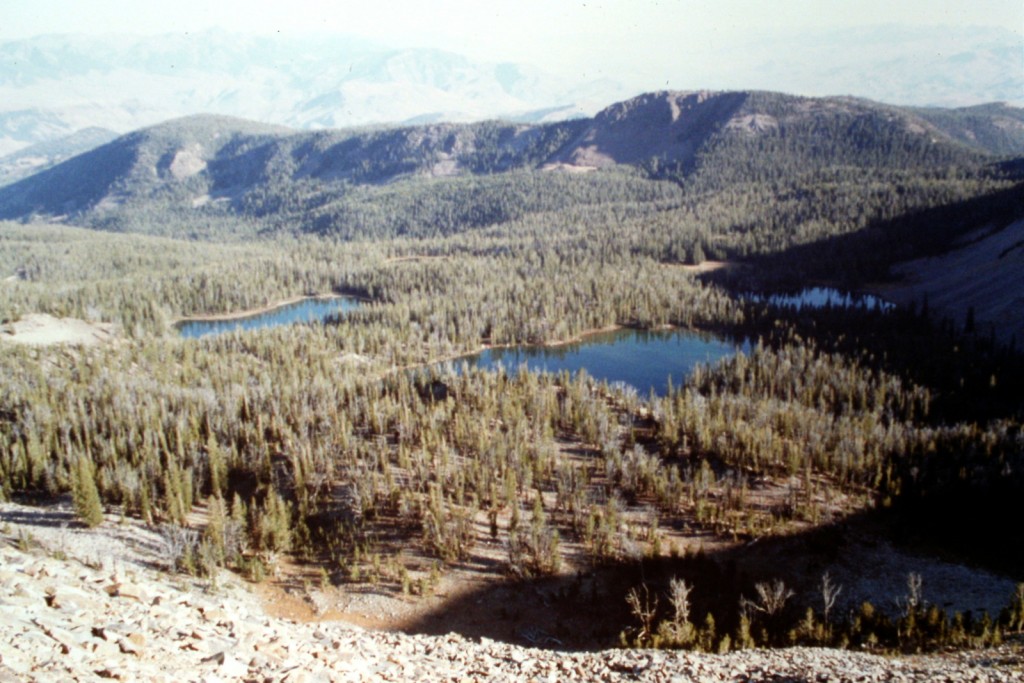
x: 203, y: 167
x: 53, y: 86
x: 945, y: 66
x: 43, y: 155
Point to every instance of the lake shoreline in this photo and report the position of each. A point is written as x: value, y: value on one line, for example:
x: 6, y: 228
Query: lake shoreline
x: 580, y: 338
x: 253, y: 312
x: 552, y: 343
x: 650, y: 359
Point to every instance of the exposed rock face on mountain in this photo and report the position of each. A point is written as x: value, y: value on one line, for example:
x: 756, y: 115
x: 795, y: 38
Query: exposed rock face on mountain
x: 163, y: 155
x: 665, y: 125
x: 227, y: 175
x: 79, y: 605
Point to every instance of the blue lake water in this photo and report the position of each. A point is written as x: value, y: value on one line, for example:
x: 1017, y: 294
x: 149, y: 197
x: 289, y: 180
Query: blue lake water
x: 819, y: 297
x: 314, y: 309
x: 644, y: 360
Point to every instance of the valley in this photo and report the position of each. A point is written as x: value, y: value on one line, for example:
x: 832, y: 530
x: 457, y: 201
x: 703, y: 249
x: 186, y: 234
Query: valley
x: 345, y: 463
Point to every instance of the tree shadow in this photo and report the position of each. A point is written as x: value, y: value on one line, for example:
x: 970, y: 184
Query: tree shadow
x: 587, y: 610
x: 855, y: 259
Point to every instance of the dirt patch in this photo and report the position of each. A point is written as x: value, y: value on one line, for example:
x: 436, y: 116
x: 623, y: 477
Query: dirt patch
x: 706, y: 266
x: 41, y: 329
x: 398, y: 585
x: 583, y: 607
x: 187, y: 162
x: 665, y: 126
x: 567, y: 168
x: 586, y: 609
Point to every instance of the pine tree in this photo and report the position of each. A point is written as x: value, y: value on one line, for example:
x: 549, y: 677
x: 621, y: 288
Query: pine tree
x: 85, y: 495
x: 217, y: 465
x: 216, y: 527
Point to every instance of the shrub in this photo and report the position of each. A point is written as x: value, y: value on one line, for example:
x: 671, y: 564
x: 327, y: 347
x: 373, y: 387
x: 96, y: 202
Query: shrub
x: 181, y: 547
x: 534, y: 551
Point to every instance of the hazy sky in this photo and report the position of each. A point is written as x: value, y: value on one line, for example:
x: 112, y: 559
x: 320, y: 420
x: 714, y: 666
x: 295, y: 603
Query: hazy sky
x: 628, y: 40
x: 496, y: 24
x: 556, y: 31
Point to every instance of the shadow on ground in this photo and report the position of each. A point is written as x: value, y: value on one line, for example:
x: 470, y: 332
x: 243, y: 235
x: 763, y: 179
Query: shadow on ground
x: 588, y: 610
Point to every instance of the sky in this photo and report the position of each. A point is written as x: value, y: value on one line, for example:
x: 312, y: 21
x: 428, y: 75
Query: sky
x: 499, y: 24
x: 590, y: 38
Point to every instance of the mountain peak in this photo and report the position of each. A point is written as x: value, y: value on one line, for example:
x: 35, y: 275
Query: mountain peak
x: 667, y: 124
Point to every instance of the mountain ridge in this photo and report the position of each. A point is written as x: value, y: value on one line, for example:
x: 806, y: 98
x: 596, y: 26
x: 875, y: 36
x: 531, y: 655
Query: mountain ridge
x: 210, y: 154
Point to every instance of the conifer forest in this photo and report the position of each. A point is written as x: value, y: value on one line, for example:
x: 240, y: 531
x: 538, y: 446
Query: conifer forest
x: 364, y: 450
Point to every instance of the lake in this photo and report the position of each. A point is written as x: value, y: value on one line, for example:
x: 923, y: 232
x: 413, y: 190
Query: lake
x: 819, y: 297
x: 313, y: 309
x: 642, y: 359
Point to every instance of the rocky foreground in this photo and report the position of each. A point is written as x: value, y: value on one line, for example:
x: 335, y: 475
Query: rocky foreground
x: 79, y: 605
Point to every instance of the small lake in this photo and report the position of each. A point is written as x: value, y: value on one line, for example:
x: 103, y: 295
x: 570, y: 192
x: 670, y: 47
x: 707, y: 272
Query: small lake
x: 642, y: 359
x: 313, y: 309
x: 820, y: 297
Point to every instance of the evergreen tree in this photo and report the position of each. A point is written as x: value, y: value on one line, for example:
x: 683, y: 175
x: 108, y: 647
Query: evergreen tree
x: 85, y: 495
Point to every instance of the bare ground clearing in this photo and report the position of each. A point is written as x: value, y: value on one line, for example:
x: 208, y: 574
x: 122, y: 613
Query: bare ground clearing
x: 706, y: 266
x: 41, y: 329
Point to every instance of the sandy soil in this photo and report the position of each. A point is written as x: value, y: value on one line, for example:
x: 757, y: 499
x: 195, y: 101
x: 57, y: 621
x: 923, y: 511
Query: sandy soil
x: 90, y: 604
x: 41, y: 329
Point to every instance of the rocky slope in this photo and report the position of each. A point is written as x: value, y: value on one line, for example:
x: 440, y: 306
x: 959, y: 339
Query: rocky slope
x: 84, y: 605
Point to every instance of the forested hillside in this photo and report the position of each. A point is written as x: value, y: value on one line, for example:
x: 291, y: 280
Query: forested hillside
x: 362, y: 451
x: 202, y: 174
x: 995, y: 127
